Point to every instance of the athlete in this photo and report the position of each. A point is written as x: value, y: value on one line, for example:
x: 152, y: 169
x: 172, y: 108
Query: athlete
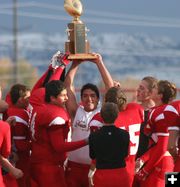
x: 157, y: 159
x: 19, y: 95
x: 130, y: 117
x: 55, y: 71
x: 79, y: 161
x: 49, y: 128
x: 144, y: 92
x: 172, y: 116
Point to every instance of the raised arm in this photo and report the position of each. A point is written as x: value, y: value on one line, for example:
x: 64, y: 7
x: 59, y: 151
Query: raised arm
x: 106, y: 76
x: 71, y: 104
x: 58, y: 63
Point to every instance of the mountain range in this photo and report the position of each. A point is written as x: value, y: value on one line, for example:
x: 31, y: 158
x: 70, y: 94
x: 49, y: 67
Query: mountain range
x: 125, y: 55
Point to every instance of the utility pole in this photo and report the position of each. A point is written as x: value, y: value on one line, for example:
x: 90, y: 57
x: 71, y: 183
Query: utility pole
x: 15, y: 42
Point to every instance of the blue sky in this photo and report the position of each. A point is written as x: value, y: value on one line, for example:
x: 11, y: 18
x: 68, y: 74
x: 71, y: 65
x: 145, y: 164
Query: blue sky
x: 154, y: 17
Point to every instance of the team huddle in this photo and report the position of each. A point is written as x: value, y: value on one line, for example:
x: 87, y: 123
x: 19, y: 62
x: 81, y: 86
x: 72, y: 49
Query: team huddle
x: 50, y: 139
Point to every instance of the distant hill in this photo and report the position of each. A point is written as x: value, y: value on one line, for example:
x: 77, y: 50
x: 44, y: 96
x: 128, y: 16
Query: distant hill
x: 125, y: 55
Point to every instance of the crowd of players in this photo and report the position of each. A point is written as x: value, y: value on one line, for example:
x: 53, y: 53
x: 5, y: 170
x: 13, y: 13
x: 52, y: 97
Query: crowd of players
x: 50, y: 139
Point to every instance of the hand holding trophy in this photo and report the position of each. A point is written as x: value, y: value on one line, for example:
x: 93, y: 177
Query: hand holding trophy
x: 77, y: 45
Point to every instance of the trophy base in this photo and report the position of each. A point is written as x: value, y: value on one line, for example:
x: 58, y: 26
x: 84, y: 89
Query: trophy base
x: 82, y: 56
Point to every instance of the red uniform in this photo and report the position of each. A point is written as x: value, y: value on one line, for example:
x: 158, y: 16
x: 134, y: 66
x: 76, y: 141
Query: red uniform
x: 157, y: 158
x: 9, y: 180
x: 130, y: 120
x: 49, y: 127
x: 172, y: 115
x: 5, y: 144
x: 79, y: 161
x: 21, y: 140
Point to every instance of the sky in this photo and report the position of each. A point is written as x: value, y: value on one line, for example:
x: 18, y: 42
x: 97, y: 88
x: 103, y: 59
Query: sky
x: 154, y: 17
x: 135, y: 30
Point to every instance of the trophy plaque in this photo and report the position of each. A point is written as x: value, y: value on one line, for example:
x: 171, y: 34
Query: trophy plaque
x: 77, y: 45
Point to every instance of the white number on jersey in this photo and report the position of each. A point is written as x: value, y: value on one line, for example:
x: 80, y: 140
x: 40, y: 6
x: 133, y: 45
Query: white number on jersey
x: 134, y: 137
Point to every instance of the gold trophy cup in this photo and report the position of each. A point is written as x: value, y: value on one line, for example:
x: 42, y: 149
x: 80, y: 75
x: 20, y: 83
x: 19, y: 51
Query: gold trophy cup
x: 77, y: 45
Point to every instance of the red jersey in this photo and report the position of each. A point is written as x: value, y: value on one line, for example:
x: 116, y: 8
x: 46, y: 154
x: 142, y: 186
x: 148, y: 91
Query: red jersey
x: 130, y: 119
x: 49, y: 129
x: 158, y: 127
x: 5, y: 143
x: 21, y: 142
x: 5, y: 139
x: 45, y: 119
x: 172, y: 115
x: 20, y: 132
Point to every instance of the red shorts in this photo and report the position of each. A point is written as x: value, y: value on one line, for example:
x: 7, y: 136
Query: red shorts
x: 177, y: 165
x: 77, y: 174
x: 24, y: 181
x: 47, y: 175
x: 111, y: 177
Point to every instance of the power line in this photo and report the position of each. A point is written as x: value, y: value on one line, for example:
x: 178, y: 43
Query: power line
x: 96, y: 20
x: 33, y: 4
x: 100, y: 13
x: 135, y: 20
x: 15, y: 41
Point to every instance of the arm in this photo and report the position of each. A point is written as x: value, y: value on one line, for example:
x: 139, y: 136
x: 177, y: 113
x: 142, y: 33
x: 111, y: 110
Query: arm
x: 57, y: 141
x: 91, y: 173
x: 55, y: 70
x: 17, y: 173
x: 5, y: 138
x: 71, y: 103
x: 173, y: 143
x: 106, y: 77
x: 158, y: 152
x: 60, y: 62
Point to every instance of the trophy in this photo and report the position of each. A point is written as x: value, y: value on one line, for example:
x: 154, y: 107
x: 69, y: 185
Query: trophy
x: 77, y: 45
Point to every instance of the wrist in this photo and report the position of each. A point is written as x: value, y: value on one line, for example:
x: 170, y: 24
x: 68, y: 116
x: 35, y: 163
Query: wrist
x: 91, y: 172
x: 139, y: 164
x: 100, y: 62
x: 142, y: 174
x: 86, y: 140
